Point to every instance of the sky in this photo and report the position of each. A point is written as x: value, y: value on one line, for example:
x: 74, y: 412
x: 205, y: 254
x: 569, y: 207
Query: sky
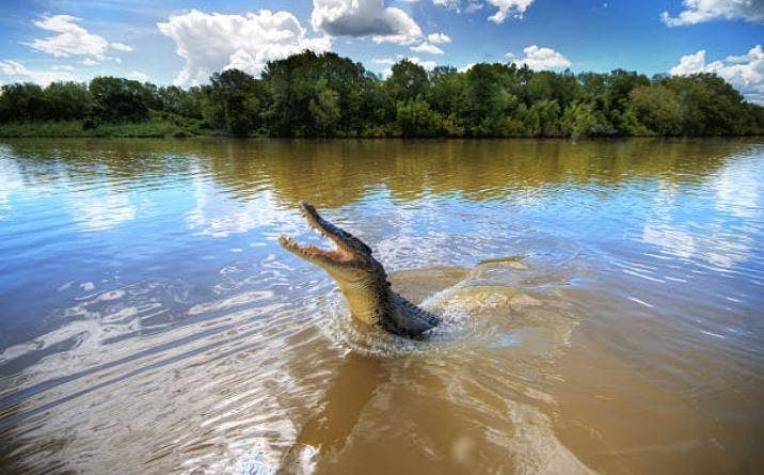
x: 183, y: 42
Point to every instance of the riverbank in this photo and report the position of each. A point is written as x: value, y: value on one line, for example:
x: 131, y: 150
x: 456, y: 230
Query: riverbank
x: 167, y: 129
x: 158, y: 126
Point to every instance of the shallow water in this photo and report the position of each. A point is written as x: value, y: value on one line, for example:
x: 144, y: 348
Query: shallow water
x: 602, y: 307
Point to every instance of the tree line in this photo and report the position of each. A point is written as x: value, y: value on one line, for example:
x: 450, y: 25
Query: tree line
x: 310, y: 95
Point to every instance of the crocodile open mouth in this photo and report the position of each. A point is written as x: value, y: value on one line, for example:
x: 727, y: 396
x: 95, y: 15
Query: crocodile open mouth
x: 360, y: 278
x: 342, y: 252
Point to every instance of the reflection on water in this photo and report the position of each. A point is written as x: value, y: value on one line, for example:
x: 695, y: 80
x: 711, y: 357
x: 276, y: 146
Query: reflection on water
x: 601, y: 302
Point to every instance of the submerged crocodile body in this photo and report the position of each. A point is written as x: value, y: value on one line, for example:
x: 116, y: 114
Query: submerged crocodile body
x: 361, y: 279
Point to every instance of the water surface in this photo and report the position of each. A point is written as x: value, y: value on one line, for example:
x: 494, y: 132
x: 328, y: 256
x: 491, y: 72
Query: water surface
x: 602, y: 303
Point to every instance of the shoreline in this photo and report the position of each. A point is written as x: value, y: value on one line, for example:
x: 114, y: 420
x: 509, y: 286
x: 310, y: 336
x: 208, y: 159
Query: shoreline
x: 170, y: 130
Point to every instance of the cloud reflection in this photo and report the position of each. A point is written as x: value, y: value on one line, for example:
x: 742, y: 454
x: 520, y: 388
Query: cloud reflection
x: 738, y: 190
x: 219, y: 216
x: 10, y: 183
x: 99, y: 208
x: 735, y: 192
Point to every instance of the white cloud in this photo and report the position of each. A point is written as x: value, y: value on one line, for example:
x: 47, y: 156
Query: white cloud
x: 438, y: 38
x: 18, y: 72
x: 539, y: 58
x: 428, y: 65
x: 700, y: 11
x: 121, y: 47
x: 466, y: 67
x: 429, y: 45
x: 71, y: 39
x: 89, y: 62
x: 473, y: 7
x: 12, y: 68
x: 426, y: 47
x: 451, y: 4
x: 365, y: 18
x: 690, y: 64
x: 138, y: 76
x: 745, y: 73
x: 213, y: 42
x: 508, y: 8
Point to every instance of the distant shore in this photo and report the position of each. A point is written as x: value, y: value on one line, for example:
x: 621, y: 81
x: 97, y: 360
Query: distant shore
x: 166, y: 129
x: 156, y: 127
x: 328, y: 96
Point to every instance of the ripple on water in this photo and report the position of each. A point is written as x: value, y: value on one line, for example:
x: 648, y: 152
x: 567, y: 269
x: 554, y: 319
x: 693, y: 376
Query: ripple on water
x: 609, y: 318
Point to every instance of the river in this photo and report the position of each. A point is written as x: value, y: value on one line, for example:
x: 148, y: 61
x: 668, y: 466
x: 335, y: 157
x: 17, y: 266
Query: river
x: 613, y: 320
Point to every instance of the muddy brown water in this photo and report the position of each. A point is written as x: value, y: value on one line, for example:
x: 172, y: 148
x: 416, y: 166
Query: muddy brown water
x: 603, y: 307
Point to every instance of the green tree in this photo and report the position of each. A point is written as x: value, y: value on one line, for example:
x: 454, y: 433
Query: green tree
x: 178, y: 101
x: 657, y: 107
x: 582, y: 119
x: 117, y: 100
x: 67, y: 101
x: 709, y: 105
x: 548, y: 113
x: 293, y: 83
x: 407, y: 81
x: 487, y: 101
x: 233, y: 104
x: 309, y: 94
x: 415, y: 119
x: 325, y: 108
x: 22, y: 102
x: 447, y: 90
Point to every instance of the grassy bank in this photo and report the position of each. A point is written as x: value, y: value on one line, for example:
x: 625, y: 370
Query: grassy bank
x: 159, y: 125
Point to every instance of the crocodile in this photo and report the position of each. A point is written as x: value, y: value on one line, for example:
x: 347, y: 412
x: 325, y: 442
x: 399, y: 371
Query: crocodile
x: 361, y: 279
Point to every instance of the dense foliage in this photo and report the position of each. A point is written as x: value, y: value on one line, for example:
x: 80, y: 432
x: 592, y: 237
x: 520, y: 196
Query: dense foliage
x: 327, y: 95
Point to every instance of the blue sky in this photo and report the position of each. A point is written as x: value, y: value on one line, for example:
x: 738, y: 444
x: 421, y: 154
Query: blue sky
x: 184, y: 41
